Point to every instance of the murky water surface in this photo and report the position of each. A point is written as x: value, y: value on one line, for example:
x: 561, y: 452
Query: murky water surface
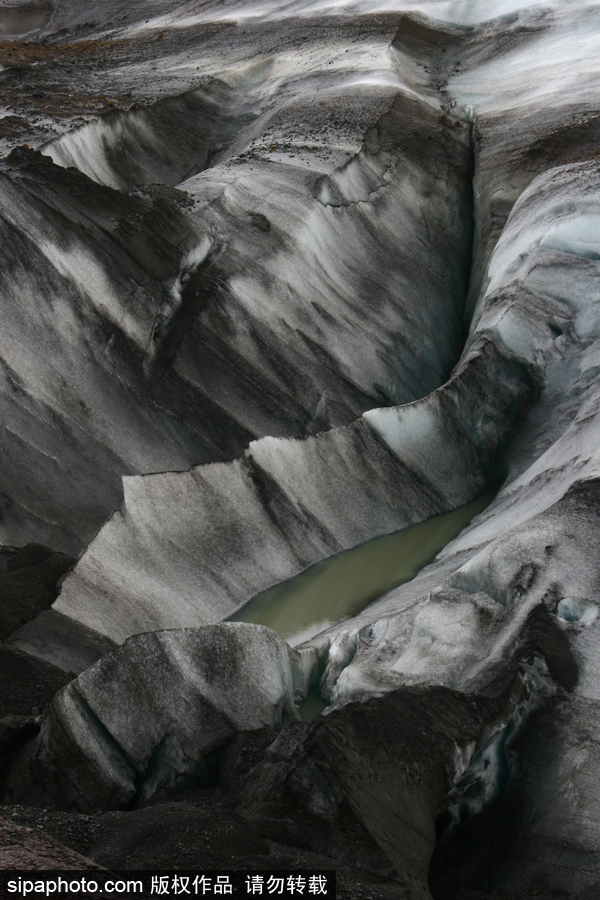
x: 344, y: 584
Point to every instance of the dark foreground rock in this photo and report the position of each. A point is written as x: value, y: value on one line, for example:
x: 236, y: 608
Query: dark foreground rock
x: 203, y: 833
x: 29, y: 582
x: 26, y: 848
x: 172, y: 712
x: 28, y: 684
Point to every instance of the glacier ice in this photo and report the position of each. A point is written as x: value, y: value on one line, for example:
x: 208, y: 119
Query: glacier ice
x: 295, y: 299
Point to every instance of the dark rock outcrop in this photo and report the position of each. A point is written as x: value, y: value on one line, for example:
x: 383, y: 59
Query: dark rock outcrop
x: 29, y: 582
x: 23, y: 848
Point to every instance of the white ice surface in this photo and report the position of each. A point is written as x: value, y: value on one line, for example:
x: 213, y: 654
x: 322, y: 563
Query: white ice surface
x: 561, y: 66
x: 457, y: 12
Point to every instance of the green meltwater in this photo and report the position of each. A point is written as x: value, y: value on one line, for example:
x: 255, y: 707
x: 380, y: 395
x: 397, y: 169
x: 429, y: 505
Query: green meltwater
x: 343, y: 585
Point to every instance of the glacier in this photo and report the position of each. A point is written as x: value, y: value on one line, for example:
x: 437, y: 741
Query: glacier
x: 278, y: 279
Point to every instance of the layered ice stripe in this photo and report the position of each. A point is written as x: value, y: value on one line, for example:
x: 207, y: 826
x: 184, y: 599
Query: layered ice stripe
x: 189, y: 548
x: 314, y: 497
x: 269, y: 295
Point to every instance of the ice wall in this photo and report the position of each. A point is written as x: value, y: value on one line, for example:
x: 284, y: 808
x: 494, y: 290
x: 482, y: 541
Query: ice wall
x: 282, y: 288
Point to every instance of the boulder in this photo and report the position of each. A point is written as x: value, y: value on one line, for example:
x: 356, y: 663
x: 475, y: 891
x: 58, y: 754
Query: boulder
x: 149, y: 714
